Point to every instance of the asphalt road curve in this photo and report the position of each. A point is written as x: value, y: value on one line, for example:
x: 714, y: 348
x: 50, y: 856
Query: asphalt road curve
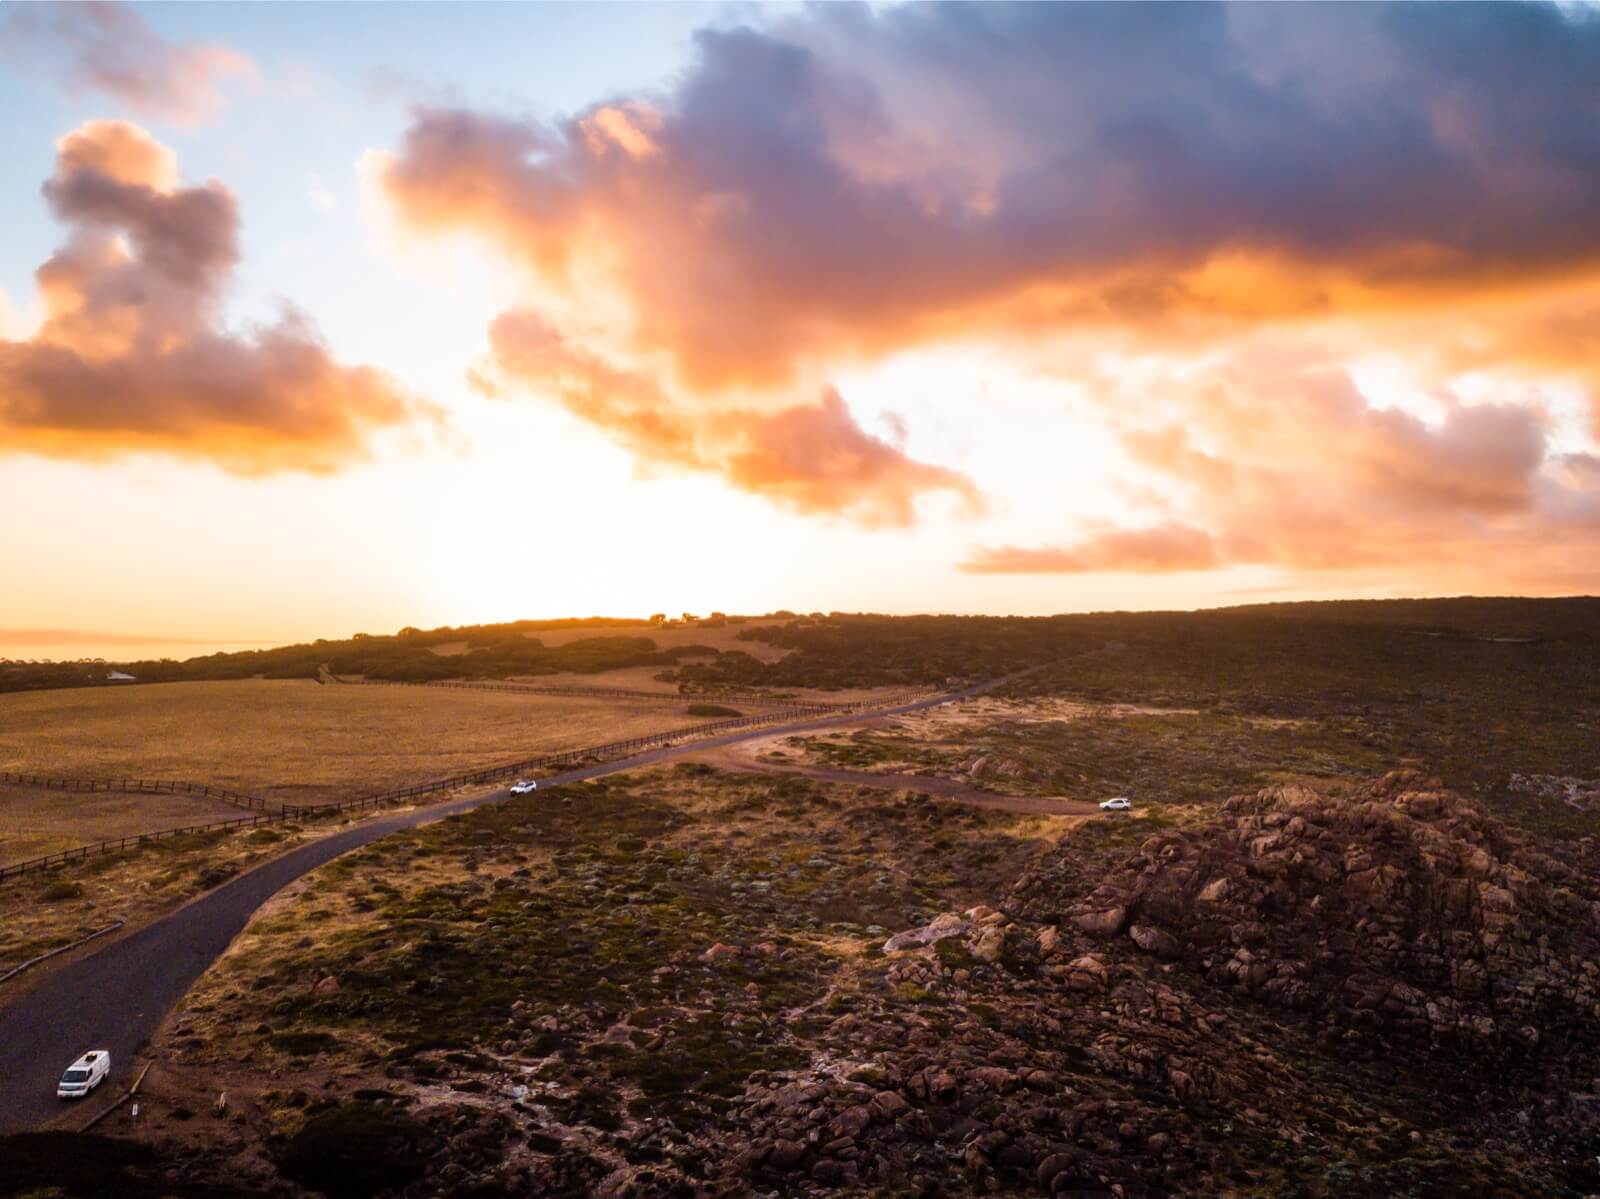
x: 116, y: 998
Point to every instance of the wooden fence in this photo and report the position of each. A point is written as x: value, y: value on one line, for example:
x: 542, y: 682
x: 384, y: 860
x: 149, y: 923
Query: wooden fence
x: 118, y: 844
x: 572, y: 689
x: 238, y: 799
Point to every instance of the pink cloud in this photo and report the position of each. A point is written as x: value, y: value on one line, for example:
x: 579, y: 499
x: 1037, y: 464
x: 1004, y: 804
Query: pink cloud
x: 133, y: 355
x: 108, y: 47
x: 1321, y: 479
x: 1162, y: 548
x: 812, y: 457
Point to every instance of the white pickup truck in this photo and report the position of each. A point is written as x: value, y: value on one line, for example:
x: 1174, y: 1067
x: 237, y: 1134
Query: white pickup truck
x: 85, y: 1074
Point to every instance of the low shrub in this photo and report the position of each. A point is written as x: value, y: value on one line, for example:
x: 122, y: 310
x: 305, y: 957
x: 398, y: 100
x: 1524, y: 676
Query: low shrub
x: 356, y: 1150
x: 303, y: 1042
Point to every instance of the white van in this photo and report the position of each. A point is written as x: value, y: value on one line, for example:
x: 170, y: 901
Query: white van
x: 85, y: 1074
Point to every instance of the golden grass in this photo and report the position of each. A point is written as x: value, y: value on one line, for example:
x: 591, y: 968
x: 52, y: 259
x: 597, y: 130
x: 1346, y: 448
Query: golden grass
x: 36, y: 822
x: 297, y: 741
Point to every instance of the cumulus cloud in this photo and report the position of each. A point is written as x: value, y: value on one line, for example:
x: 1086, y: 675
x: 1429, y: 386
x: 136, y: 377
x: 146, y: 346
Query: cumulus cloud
x: 132, y: 353
x: 853, y: 179
x: 849, y: 182
x: 1167, y: 547
x: 812, y: 457
x: 108, y: 47
x: 1322, y: 479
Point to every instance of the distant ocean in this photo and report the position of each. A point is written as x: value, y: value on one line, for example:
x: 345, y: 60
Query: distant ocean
x: 131, y: 650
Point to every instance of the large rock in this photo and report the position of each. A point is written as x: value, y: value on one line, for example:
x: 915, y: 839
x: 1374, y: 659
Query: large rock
x: 990, y: 945
x: 1107, y: 922
x: 1087, y: 973
x: 947, y: 924
x: 1153, y: 940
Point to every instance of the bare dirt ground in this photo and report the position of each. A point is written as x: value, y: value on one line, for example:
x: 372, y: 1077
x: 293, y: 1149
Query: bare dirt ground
x: 643, y: 678
x: 35, y: 821
x: 984, y: 709
x: 743, y: 759
x: 965, y: 723
x: 297, y: 741
x: 631, y: 678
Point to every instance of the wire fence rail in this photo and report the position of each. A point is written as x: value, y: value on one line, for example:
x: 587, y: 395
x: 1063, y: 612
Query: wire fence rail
x: 574, y: 689
x: 470, y: 778
x: 118, y: 844
x: 238, y: 799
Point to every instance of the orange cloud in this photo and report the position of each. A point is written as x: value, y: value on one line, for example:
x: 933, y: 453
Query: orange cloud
x: 1321, y: 479
x: 848, y: 182
x: 811, y: 458
x: 1167, y: 547
x: 108, y: 47
x: 132, y: 354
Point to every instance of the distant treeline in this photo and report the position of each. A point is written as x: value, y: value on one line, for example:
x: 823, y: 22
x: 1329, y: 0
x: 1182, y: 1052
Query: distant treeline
x: 493, y: 651
x: 1263, y: 642
x: 1276, y: 650
x: 861, y: 650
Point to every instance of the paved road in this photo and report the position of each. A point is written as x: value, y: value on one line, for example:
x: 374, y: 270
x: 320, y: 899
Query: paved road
x: 118, y: 996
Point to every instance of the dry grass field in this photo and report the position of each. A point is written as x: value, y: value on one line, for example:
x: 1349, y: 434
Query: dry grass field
x: 296, y: 741
x: 56, y: 907
x: 35, y: 822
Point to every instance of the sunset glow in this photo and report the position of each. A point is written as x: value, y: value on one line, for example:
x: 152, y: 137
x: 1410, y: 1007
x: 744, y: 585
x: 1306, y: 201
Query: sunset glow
x: 348, y: 318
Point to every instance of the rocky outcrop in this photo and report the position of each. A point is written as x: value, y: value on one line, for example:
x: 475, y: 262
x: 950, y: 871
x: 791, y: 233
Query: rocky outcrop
x: 1384, y: 991
x: 1581, y: 795
x: 997, y: 766
x: 947, y: 924
x: 1400, y: 910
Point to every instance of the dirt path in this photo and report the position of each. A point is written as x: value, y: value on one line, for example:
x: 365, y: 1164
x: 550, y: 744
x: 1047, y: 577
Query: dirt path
x: 736, y: 758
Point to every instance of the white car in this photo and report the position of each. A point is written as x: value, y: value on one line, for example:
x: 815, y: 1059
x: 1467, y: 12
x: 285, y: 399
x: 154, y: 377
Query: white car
x: 523, y: 786
x: 1116, y: 804
x: 84, y: 1075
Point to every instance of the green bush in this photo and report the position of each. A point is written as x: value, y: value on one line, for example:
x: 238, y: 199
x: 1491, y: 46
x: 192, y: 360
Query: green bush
x: 61, y: 890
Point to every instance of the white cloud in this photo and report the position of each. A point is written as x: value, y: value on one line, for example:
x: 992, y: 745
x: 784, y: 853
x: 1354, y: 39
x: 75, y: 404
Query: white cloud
x: 320, y: 196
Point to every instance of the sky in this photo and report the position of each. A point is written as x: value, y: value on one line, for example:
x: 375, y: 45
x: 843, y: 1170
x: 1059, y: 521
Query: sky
x: 317, y: 319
